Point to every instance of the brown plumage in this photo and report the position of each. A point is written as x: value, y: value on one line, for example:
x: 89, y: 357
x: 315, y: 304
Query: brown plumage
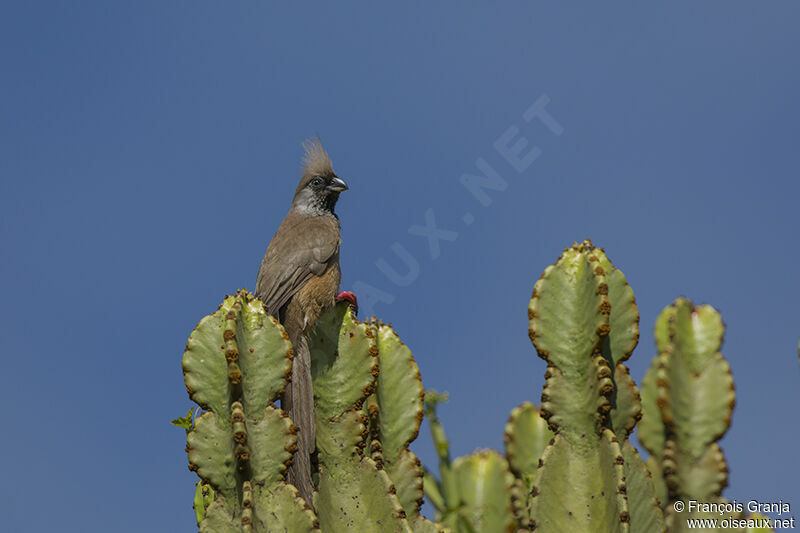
x: 298, y: 279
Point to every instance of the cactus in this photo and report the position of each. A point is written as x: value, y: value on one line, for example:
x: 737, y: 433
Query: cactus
x: 475, y: 491
x: 568, y: 466
x: 688, y: 398
x: 526, y: 436
x: 484, y: 491
x: 396, y: 411
x: 574, y: 468
x: 237, y: 363
x: 584, y: 323
x: 354, y: 491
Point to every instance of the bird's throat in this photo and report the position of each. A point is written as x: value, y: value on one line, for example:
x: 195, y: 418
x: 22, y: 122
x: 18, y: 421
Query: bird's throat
x: 318, y: 205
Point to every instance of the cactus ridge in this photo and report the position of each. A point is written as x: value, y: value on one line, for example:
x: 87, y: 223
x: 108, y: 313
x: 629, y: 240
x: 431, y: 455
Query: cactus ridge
x: 397, y: 408
x: 399, y: 393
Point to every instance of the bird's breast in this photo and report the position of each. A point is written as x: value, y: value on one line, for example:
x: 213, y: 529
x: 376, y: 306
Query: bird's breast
x: 316, y: 295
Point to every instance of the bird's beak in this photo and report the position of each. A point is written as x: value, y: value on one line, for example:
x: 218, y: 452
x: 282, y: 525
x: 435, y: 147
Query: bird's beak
x: 337, y: 185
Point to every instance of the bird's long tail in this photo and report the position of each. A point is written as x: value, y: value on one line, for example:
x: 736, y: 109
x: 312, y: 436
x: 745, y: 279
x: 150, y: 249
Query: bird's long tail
x: 298, y: 401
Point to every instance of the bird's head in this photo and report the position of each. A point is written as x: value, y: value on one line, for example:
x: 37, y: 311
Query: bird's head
x: 319, y: 187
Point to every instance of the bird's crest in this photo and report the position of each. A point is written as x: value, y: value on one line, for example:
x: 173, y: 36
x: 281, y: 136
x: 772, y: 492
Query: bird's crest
x: 315, y: 160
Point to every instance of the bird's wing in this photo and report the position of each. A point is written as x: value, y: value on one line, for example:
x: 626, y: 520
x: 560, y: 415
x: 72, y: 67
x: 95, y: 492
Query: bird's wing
x: 300, y: 249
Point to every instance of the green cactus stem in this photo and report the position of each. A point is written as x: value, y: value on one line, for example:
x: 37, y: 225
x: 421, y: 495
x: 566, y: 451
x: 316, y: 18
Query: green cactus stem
x: 236, y: 364
x: 485, y: 484
x: 399, y: 402
x: 584, y: 323
x: 475, y: 491
x: 688, y: 398
x: 354, y: 491
x: 526, y: 436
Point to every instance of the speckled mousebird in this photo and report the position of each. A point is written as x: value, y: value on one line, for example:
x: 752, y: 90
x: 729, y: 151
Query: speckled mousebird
x: 298, y: 280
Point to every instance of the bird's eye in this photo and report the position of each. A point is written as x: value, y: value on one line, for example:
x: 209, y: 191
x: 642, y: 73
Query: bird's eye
x: 316, y: 182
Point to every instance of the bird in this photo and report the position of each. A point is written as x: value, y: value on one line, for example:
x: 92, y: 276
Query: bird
x: 298, y: 280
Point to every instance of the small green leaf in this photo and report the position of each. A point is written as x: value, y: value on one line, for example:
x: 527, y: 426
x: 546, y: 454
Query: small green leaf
x: 185, y: 422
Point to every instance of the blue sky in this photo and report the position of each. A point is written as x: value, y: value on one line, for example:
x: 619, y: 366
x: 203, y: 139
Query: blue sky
x: 149, y: 151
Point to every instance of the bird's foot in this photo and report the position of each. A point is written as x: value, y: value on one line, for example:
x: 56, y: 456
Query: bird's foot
x: 349, y: 297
